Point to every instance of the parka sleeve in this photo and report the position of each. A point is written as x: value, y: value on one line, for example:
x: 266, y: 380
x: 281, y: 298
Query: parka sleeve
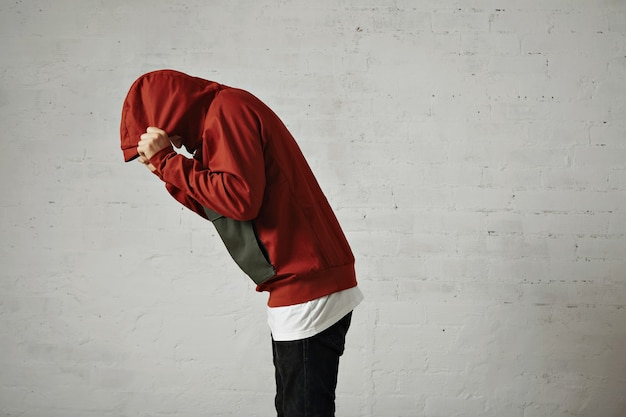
x: 229, y: 178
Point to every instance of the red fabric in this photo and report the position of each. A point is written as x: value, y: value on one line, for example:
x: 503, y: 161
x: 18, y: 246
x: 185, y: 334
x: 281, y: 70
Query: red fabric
x: 247, y: 166
x: 169, y: 100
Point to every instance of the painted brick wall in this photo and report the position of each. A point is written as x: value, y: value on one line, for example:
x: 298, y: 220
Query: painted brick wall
x: 474, y: 151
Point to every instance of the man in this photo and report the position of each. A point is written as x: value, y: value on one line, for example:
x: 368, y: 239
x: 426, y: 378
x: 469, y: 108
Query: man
x: 249, y: 177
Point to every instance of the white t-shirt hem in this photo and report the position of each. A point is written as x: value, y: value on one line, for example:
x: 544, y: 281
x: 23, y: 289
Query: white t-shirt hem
x: 305, y: 320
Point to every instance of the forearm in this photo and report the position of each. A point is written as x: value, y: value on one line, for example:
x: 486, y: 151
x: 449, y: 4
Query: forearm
x: 227, y: 193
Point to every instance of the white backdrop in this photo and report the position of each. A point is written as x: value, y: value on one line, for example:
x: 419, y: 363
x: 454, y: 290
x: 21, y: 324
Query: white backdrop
x: 473, y: 150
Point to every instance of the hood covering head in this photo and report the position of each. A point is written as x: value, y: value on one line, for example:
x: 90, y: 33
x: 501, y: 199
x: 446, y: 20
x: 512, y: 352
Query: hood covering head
x: 168, y: 100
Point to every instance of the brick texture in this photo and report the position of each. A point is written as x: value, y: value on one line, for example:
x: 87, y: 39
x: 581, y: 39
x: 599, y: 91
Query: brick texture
x: 474, y: 151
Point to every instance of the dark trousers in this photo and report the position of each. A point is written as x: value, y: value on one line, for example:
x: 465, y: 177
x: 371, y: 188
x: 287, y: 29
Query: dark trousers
x: 306, y: 372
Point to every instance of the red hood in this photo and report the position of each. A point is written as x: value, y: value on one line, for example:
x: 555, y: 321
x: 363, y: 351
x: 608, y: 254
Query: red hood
x: 169, y: 100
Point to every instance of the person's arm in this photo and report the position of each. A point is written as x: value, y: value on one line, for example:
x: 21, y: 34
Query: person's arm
x: 231, y: 177
x: 149, y: 143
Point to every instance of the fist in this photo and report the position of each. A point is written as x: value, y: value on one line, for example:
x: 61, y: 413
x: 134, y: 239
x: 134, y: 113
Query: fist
x: 152, y: 142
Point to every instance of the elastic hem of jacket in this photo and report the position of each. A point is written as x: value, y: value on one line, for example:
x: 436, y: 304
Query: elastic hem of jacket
x: 298, y: 289
x: 159, y: 158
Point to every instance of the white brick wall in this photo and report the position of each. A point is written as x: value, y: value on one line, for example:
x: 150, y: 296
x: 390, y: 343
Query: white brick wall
x: 474, y: 150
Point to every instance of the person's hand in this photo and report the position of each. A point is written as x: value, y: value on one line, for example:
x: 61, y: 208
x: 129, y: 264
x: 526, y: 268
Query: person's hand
x: 151, y: 142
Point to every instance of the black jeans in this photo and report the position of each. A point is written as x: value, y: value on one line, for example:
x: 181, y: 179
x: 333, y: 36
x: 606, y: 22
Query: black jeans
x: 306, y: 372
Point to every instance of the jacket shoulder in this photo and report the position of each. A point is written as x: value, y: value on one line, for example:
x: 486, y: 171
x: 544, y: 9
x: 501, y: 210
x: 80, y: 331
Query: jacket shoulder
x: 229, y: 96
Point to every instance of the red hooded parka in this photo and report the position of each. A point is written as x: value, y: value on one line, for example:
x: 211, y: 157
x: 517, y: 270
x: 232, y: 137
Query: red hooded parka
x: 249, y: 177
